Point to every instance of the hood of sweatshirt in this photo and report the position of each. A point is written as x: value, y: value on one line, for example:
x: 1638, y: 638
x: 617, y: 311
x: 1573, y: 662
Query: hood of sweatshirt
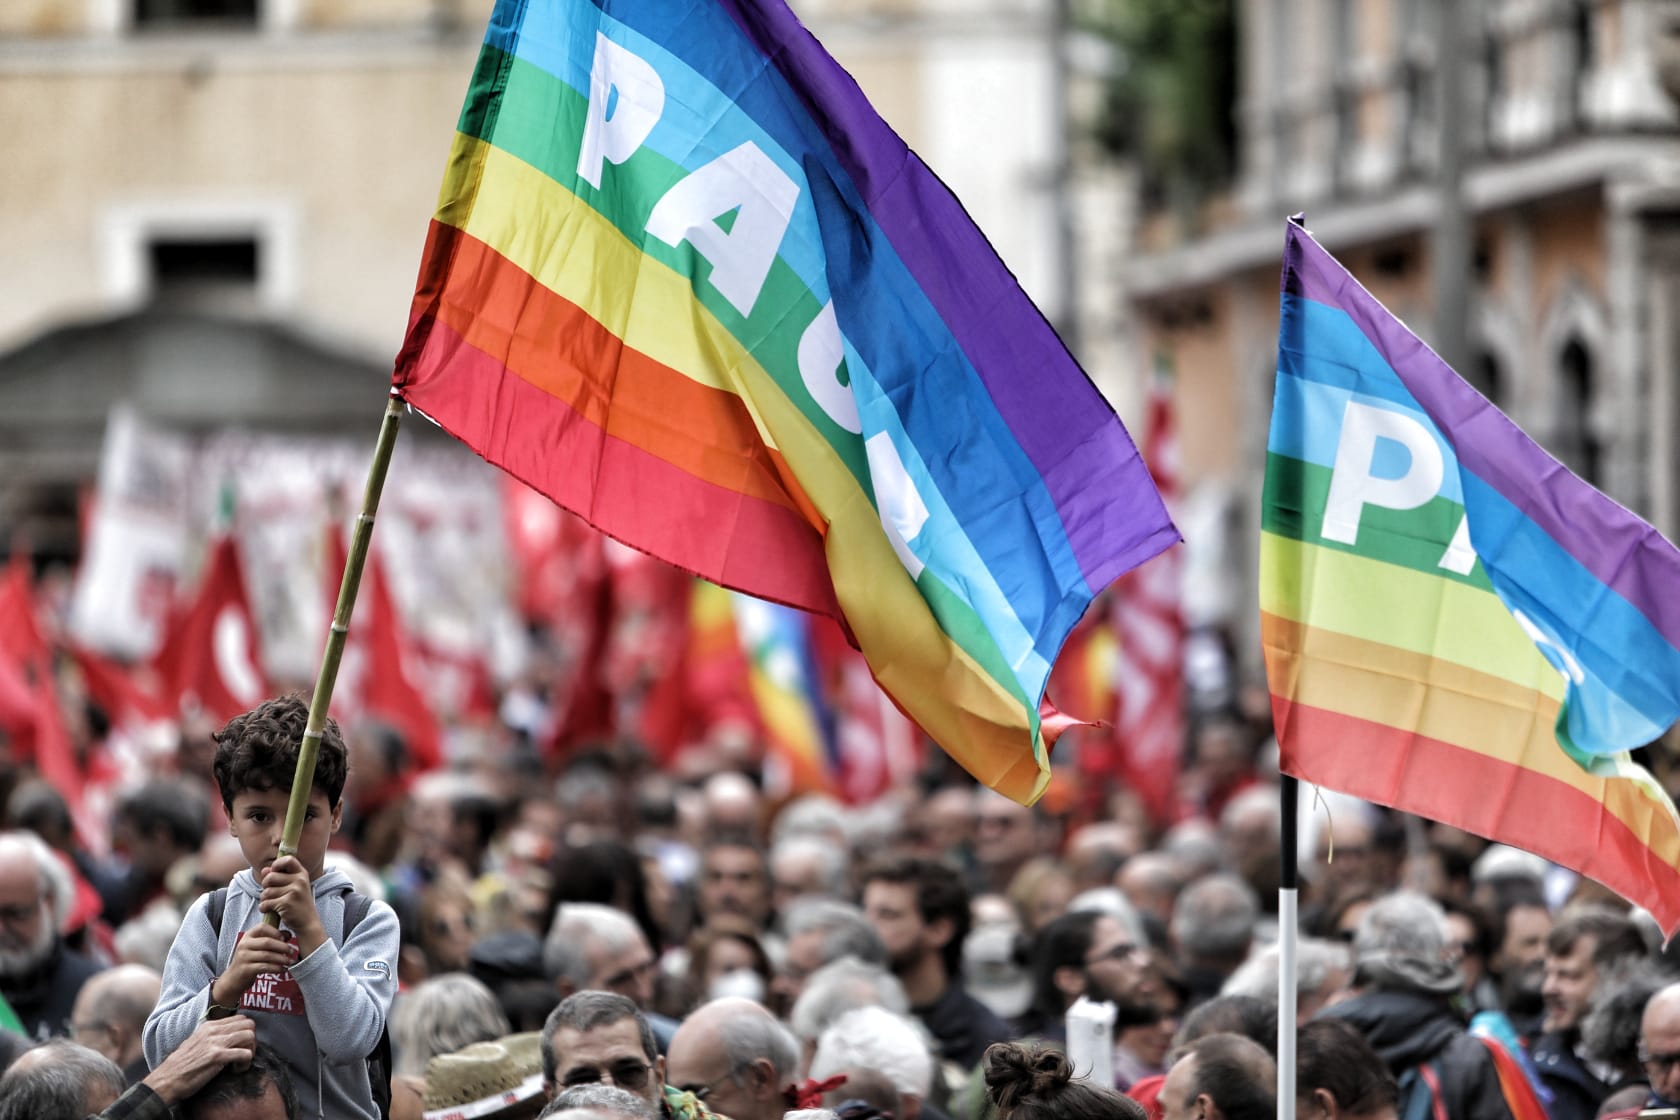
x: 1404, y: 1028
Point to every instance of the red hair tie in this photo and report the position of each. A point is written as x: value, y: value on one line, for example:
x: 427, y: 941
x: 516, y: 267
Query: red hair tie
x: 810, y: 1094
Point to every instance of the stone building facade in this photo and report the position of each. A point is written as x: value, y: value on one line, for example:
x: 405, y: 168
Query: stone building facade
x: 1571, y: 178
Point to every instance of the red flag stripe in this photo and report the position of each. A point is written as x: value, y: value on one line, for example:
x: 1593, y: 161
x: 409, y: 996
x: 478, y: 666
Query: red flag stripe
x: 1522, y: 807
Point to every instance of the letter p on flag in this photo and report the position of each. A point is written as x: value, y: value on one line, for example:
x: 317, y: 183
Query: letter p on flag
x: 626, y: 99
x: 1354, y: 484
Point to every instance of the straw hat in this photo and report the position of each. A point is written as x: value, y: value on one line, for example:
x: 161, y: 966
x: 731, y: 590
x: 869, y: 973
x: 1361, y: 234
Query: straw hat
x: 485, y: 1079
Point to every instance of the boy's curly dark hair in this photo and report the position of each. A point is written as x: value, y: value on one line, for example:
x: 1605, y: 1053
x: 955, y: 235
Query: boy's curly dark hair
x: 259, y: 751
x: 1037, y: 1083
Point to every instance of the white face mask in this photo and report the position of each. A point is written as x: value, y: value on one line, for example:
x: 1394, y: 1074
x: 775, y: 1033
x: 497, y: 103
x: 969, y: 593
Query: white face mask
x: 742, y: 982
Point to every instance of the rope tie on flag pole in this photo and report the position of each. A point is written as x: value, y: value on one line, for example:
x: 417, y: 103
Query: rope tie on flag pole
x: 362, y: 537
x: 1329, y: 823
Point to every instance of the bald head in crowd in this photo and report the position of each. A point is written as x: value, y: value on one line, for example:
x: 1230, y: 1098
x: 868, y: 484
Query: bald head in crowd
x: 110, y: 1013
x: 1221, y: 1077
x: 1097, y: 851
x: 732, y: 803
x: 59, y: 1078
x: 1151, y: 882
x: 1213, y: 926
x: 1659, y: 1039
x: 738, y: 1053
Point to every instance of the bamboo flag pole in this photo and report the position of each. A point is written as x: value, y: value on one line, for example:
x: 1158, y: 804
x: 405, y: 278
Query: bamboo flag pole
x: 304, y: 779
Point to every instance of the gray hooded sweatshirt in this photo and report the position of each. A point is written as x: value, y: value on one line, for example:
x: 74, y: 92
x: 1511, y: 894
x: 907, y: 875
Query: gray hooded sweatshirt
x: 324, y: 1015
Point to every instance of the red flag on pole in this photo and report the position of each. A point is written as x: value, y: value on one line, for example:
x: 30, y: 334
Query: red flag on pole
x: 17, y: 702
x: 20, y: 634
x: 380, y: 667
x: 210, y: 656
x: 115, y: 688
x: 708, y: 689
x: 1150, y: 621
x: 29, y: 695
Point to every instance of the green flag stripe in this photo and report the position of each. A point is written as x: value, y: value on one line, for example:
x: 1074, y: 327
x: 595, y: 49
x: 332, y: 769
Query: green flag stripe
x: 540, y: 118
x: 1296, y: 494
x: 9, y: 1020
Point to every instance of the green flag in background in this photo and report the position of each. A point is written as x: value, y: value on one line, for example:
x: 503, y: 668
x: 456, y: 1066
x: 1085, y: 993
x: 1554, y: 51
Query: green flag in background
x: 9, y: 1020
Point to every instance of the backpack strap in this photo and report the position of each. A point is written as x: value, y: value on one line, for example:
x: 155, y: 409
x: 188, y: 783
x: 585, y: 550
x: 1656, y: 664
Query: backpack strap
x: 356, y: 907
x: 215, y: 908
x: 379, y: 1060
x: 1431, y: 1078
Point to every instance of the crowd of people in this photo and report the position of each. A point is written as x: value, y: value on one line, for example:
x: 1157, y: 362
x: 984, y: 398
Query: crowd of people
x: 595, y: 938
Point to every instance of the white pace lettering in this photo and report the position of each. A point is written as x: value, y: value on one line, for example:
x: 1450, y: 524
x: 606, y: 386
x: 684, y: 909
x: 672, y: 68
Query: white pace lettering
x: 903, y: 513
x: 743, y: 181
x: 1353, y: 485
x: 821, y: 351
x: 626, y: 99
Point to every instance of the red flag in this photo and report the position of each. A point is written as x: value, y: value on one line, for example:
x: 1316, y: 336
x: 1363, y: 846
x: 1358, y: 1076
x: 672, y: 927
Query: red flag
x: 118, y: 690
x: 646, y: 643
x: 29, y: 695
x: 561, y: 570
x: 1084, y: 681
x: 210, y: 658
x: 142, y: 725
x: 377, y: 677
x: 708, y: 688
x: 20, y: 633
x: 1150, y: 621
x: 550, y: 552
x: 17, y: 703
x: 19, y: 639
x: 460, y: 680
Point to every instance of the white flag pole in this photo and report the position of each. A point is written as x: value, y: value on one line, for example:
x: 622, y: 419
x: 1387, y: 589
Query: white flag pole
x: 1288, y: 939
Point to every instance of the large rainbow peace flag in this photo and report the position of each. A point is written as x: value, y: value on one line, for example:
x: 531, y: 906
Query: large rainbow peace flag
x: 684, y: 280
x: 1454, y: 624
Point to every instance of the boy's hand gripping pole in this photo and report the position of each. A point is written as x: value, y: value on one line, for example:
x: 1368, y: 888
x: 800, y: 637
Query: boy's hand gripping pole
x: 309, y: 750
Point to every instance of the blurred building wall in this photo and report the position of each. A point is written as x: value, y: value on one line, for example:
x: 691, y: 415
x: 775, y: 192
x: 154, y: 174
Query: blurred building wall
x: 1572, y: 181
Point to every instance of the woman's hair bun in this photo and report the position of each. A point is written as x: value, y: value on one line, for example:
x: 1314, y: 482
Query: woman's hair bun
x: 1016, y: 1074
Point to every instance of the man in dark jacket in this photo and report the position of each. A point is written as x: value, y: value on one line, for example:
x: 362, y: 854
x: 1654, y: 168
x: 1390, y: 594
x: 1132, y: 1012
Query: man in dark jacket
x: 39, y: 975
x: 1581, y: 951
x: 920, y: 909
x: 1404, y: 983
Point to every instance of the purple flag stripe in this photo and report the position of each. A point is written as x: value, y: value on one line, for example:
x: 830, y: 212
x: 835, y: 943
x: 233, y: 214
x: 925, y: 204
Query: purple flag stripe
x: 1063, y: 425
x: 1622, y: 551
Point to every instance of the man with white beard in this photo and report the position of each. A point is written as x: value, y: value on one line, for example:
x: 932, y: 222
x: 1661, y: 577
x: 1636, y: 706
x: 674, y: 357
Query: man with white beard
x: 39, y: 976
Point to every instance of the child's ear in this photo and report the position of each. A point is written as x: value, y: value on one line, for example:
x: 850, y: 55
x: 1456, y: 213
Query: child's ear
x: 338, y: 816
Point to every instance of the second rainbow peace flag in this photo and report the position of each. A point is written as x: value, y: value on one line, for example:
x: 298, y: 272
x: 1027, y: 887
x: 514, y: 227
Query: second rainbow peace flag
x: 684, y: 280
x: 1453, y: 623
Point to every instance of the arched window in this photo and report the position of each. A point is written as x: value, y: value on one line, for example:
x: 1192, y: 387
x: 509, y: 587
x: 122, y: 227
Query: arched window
x: 1485, y: 376
x: 1577, y: 445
